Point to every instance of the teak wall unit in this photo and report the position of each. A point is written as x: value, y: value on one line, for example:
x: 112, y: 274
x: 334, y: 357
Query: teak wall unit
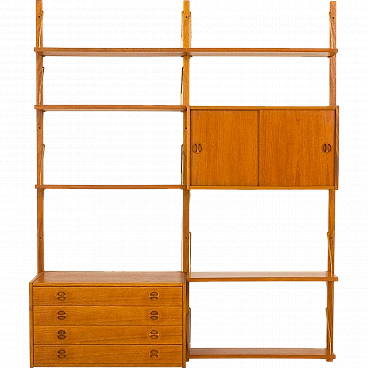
x: 143, y: 318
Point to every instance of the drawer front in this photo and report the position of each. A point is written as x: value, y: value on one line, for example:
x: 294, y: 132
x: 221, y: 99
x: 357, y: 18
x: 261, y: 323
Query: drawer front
x: 107, y: 316
x: 107, y: 296
x: 108, y: 335
x: 107, y: 354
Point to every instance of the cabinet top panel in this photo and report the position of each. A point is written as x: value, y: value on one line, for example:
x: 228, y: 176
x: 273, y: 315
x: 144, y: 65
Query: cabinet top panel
x: 242, y: 108
x: 102, y: 278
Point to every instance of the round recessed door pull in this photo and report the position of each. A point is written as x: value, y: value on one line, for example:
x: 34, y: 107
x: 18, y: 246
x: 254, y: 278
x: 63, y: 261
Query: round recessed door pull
x: 326, y: 148
x: 197, y: 148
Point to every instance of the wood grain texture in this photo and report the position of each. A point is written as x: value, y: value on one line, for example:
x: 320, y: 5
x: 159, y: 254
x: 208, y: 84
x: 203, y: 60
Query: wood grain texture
x: 185, y: 308
x: 258, y: 187
x: 333, y: 80
x: 291, y: 144
x: 178, y: 108
x: 186, y: 25
x: 333, y: 58
x: 337, y: 148
x: 329, y: 317
x: 67, y: 186
x: 107, y: 354
x: 30, y: 325
x: 229, y: 141
x: 106, y: 278
x: 72, y: 295
x: 110, y: 52
x: 107, y: 316
x: 263, y: 52
x: 256, y: 108
x: 108, y: 335
x: 332, y: 24
x: 331, y: 230
x: 185, y: 231
x: 185, y: 51
x: 256, y: 353
x: 260, y: 276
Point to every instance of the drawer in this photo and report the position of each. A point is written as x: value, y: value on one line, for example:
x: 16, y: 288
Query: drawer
x: 99, y: 335
x: 154, y: 355
x: 106, y: 316
x: 107, y: 296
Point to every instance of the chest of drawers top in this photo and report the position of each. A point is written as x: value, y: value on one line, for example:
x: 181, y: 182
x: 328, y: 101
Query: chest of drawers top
x: 102, y: 278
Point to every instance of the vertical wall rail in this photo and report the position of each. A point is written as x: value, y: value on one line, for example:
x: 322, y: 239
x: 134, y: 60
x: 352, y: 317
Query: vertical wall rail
x: 331, y: 269
x: 40, y: 145
x: 185, y: 31
x: 331, y: 206
x: 332, y: 61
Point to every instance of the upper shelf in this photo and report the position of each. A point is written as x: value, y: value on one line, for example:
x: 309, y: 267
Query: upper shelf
x: 262, y: 52
x: 110, y: 107
x: 172, y: 52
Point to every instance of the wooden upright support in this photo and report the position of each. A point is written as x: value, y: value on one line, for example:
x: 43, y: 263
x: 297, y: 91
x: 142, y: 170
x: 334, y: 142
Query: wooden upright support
x: 331, y: 194
x: 333, y: 58
x: 186, y: 41
x: 40, y: 145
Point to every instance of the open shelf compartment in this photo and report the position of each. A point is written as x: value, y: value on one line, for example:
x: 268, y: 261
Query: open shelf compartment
x: 256, y: 353
x: 260, y: 276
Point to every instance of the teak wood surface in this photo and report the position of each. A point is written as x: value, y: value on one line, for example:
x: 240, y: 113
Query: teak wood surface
x: 229, y: 147
x: 291, y: 148
x: 108, y: 335
x: 107, y: 316
x: 128, y: 295
x: 143, y: 319
x: 106, y: 354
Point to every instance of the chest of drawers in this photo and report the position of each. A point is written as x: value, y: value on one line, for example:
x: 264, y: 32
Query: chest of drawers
x: 107, y: 319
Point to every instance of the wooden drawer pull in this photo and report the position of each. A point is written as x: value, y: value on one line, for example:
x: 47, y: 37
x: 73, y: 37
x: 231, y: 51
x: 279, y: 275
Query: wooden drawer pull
x: 62, y: 354
x: 154, y: 315
x: 61, y: 335
x: 154, y: 296
x: 61, y: 295
x: 61, y: 315
x: 154, y: 334
x: 154, y: 354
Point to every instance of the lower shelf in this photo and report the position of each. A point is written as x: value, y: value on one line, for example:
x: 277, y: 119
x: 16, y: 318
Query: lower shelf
x: 261, y: 276
x: 254, y: 353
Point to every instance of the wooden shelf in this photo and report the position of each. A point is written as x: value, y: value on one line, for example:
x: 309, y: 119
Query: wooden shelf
x: 254, y: 353
x: 112, y: 51
x: 257, y: 187
x: 262, y: 52
x: 179, y: 52
x: 260, y: 276
x: 110, y: 107
x: 52, y: 186
x: 98, y: 278
x: 256, y: 108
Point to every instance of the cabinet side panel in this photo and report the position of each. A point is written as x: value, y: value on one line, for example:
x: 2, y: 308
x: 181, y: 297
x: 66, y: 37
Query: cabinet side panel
x: 297, y: 148
x: 31, y: 337
x: 224, y: 147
